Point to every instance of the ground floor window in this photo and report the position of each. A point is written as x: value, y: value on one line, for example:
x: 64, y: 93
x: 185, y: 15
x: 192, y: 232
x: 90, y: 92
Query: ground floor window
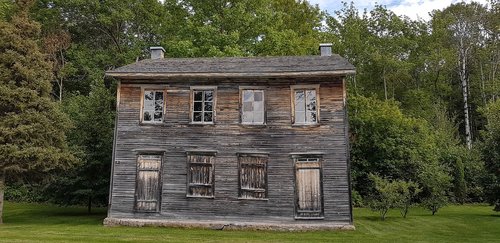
x: 252, y: 176
x: 200, y: 174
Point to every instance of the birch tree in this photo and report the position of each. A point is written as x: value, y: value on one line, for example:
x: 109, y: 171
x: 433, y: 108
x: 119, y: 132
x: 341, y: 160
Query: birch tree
x: 465, y: 26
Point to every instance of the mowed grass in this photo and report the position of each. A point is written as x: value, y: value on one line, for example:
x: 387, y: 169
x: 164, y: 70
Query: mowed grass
x: 49, y: 223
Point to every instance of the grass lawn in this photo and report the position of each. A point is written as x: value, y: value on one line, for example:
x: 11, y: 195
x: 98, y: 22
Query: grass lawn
x: 48, y: 223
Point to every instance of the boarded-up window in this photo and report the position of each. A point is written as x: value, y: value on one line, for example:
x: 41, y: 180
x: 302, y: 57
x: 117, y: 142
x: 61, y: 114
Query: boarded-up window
x: 308, y: 188
x: 200, y: 176
x: 305, y: 105
x: 153, y: 106
x: 252, y: 176
x: 148, y: 187
x: 202, y: 106
x: 252, y: 106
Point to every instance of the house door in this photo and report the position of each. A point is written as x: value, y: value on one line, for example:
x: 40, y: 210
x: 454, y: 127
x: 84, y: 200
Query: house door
x: 308, y: 189
x: 148, y: 187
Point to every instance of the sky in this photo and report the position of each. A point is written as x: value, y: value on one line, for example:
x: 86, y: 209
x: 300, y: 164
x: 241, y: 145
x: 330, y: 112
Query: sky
x: 411, y: 8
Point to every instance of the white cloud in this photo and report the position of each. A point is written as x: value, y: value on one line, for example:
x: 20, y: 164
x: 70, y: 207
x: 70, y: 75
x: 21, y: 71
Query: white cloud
x: 421, y: 9
x: 411, y: 8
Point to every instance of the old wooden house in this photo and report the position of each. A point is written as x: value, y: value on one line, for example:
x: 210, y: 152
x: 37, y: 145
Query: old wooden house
x: 257, y: 142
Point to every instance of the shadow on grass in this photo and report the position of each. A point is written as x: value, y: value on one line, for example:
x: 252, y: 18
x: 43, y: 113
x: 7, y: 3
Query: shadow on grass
x: 50, y: 214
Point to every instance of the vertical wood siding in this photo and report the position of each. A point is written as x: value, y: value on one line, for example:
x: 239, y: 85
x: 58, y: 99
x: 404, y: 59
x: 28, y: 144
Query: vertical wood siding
x: 253, y: 177
x: 278, y: 138
x: 308, y: 190
x: 200, y: 175
x: 148, y: 183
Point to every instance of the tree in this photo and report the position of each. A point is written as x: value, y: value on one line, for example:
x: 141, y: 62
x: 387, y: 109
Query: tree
x: 32, y: 126
x: 392, y: 194
x: 435, y: 187
x: 408, y: 191
x: 463, y: 24
x: 89, y: 182
x: 491, y: 153
x: 387, y: 196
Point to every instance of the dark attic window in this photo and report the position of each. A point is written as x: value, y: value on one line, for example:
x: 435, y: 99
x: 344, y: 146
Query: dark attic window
x: 200, y: 174
x: 252, y: 176
x: 153, y: 106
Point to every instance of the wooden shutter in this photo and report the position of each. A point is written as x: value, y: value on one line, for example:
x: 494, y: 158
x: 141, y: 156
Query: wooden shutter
x: 200, y: 175
x: 253, y: 177
x: 148, y: 185
x: 308, y: 189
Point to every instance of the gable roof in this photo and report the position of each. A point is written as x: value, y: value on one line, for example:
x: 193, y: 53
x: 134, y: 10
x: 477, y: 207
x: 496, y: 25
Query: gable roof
x: 235, y: 67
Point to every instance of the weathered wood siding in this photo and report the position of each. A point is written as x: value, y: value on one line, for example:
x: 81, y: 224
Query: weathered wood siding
x: 278, y: 139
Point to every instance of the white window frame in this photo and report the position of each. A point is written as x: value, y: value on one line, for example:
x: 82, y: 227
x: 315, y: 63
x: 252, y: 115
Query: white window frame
x: 264, y: 111
x: 191, y: 104
x: 305, y: 88
x: 143, y: 91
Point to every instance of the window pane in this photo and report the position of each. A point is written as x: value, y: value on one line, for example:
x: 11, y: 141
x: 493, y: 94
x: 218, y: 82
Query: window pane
x: 147, y: 116
x: 247, y: 106
x: 311, y: 100
x: 159, y: 105
x: 208, y: 106
x: 207, y: 117
x: 300, y: 117
x: 258, y: 96
x: 198, y: 95
x: 247, y: 117
x: 299, y: 100
x: 158, y: 116
x: 248, y: 95
x: 311, y: 117
x: 197, y: 116
x: 209, y: 95
x: 159, y: 95
x: 149, y: 105
x: 258, y: 106
x: 148, y: 95
x: 258, y: 117
x: 197, y: 106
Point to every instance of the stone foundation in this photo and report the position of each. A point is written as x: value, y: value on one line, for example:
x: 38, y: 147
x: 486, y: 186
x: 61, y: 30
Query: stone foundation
x: 229, y: 225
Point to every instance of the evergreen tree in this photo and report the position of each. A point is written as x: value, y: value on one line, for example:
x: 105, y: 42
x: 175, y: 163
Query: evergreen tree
x: 32, y: 127
x: 88, y: 183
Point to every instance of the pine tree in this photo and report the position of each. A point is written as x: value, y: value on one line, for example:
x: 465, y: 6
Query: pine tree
x: 32, y: 126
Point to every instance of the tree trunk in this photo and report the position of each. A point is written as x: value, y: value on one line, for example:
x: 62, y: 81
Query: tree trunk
x: 463, y: 79
x: 2, y: 189
x: 89, y: 205
x: 385, y: 83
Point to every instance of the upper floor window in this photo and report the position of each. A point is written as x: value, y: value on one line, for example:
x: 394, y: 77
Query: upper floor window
x: 252, y: 106
x: 305, y: 104
x: 153, y: 106
x: 203, y: 105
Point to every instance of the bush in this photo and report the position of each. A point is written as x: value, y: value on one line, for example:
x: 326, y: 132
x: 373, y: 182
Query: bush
x: 19, y: 192
x: 392, y: 194
x: 357, y: 199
